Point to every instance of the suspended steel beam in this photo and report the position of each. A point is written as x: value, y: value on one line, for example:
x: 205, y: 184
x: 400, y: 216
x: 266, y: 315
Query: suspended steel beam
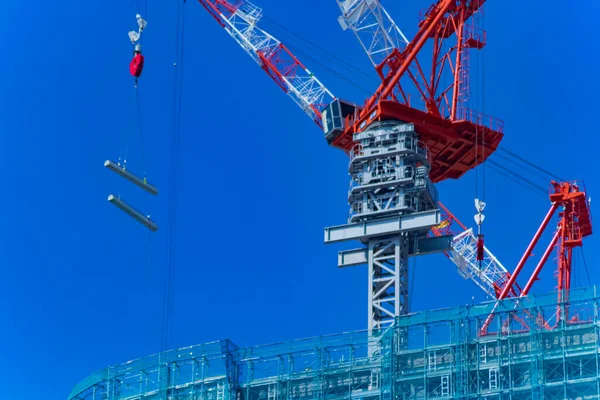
x: 135, y: 214
x: 141, y: 182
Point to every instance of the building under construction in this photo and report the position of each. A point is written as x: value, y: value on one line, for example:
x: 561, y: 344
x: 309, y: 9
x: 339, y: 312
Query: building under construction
x: 426, y: 355
x: 516, y: 346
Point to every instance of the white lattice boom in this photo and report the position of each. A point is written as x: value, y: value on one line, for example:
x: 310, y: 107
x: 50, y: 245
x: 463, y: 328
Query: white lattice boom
x: 376, y: 31
x: 491, y: 273
x: 240, y: 21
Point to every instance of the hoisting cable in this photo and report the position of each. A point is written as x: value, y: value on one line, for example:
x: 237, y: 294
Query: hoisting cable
x: 167, y: 311
x: 521, y: 167
x: 348, y: 80
x: 139, y: 122
x: 587, y: 271
x: 412, y: 273
x: 476, y: 125
x: 482, y: 11
x: 479, y: 152
x: 518, y: 176
x: 515, y: 178
x: 550, y: 174
x: 342, y: 62
x: 135, y: 69
x: 358, y: 72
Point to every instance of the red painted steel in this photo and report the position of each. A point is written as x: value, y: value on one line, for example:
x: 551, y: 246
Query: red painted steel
x: 574, y: 224
x: 279, y: 63
x: 458, y: 139
x: 137, y: 65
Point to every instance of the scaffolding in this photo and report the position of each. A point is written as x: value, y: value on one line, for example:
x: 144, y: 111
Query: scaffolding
x: 440, y: 354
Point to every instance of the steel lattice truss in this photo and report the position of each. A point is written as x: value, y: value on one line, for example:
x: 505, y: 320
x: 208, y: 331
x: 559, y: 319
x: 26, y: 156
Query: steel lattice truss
x: 388, y: 281
x: 489, y: 275
x: 375, y: 29
x: 455, y: 139
x: 240, y: 21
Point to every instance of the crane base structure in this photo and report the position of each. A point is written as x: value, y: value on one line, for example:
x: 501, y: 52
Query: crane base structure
x: 444, y: 358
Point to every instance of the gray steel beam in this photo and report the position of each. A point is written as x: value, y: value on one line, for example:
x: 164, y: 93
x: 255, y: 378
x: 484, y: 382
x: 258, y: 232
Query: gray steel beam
x: 135, y: 214
x: 432, y: 245
x: 351, y: 258
x: 354, y: 257
x: 383, y: 227
x: 141, y: 182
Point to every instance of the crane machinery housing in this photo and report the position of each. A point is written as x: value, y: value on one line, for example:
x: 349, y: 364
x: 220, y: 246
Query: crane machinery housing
x: 412, y: 132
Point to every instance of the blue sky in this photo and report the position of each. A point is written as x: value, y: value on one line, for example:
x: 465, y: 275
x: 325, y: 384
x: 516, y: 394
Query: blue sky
x: 82, y: 284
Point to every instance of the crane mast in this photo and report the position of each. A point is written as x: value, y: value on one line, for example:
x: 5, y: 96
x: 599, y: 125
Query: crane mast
x: 412, y: 132
x: 393, y: 203
x: 399, y: 146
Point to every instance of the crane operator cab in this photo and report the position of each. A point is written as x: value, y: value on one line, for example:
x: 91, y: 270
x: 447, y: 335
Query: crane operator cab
x: 334, y: 116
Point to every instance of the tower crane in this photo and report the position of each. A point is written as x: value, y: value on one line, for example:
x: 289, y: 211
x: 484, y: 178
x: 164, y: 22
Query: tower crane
x: 413, y: 131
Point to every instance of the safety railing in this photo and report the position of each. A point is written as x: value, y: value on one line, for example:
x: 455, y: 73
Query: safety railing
x: 479, y: 119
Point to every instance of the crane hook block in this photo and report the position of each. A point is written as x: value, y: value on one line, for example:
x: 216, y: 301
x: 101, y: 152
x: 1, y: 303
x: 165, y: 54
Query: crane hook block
x: 136, y: 65
x: 135, y: 214
x: 480, y: 248
x: 141, y: 182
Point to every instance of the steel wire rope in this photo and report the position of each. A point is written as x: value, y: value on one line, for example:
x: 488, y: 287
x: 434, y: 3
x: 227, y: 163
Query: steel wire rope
x: 521, y: 166
x: 531, y: 164
x: 140, y: 129
x: 515, y: 177
x: 134, y: 5
x: 518, y: 176
x: 411, y: 288
x: 322, y: 50
x: 123, y: 150
x: 348, y: 80
x: 476, y: 126
x: 168, y: 258
x: 141, y: 135
x: 146, y: 199
x: 167, y: 317
x: 587, y: 271
x: 498, y: 168
x: 515, y: 180
x: 482, y: 100
x: 576, y: 267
